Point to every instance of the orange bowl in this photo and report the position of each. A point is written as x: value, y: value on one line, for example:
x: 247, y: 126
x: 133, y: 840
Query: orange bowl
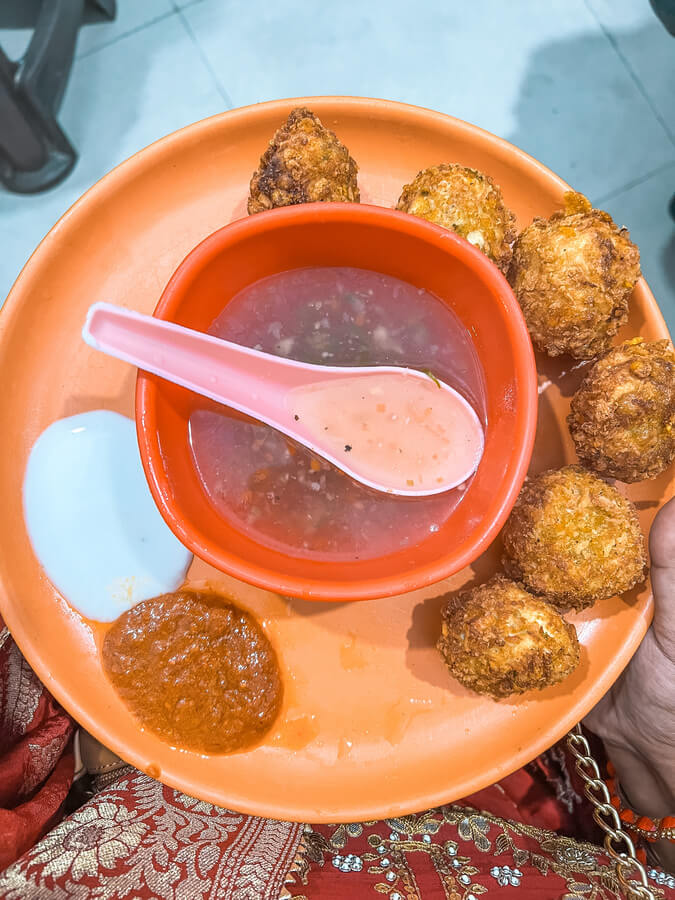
x: 393, y: 243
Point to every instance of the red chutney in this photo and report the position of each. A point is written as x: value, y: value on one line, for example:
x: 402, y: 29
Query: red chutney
x: 196, y: 670
x: 276, y: 491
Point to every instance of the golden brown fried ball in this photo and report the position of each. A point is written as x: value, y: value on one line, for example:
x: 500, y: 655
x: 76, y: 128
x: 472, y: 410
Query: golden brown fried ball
x: 573, y: 275
x: 467, y: 202
x: 304, y: 163
x: 497, y: 639
x: 623, y: 415
x: 574, y: 538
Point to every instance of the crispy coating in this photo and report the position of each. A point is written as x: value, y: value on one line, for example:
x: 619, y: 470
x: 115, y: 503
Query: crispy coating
x: 574, y: 538
x: 304, y: 163
x: 498, y: 639
x: 573, y: 275
x: 465, y: 201
x: 623, y: 416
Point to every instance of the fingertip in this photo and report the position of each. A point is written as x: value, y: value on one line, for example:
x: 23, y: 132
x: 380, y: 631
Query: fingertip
x: 662, y: 537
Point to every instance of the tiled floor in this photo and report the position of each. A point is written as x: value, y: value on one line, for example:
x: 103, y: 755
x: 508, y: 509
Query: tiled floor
x: 587, y: 86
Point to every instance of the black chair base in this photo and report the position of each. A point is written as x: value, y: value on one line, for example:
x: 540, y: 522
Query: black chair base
x: 35, y: 153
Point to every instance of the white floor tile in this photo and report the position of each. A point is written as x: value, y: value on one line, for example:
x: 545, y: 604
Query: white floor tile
x: 119, y: 100
x: 647, y: 47
x: 14, y: 41
x: 542, y: 74
x: 644, y: 210
x: 131, y: 14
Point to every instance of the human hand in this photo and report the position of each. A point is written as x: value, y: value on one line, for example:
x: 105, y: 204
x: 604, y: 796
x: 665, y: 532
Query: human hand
x: 636, y: 718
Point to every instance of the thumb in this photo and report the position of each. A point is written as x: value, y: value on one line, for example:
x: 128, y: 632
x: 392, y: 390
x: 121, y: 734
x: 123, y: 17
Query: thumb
x: 662, y: 552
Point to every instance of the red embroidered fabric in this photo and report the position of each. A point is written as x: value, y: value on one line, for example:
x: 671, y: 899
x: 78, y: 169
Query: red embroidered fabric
x: 529, y: 836
x: 36, y: 760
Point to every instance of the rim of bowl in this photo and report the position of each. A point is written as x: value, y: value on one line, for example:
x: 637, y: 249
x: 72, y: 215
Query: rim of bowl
x: 332, y: 589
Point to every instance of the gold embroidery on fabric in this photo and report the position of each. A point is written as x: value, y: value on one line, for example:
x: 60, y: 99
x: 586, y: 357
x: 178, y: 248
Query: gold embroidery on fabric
x: 41, y: 761
x: 392, y: 859
x: 106, y: 779
x: 140, y: 838
x: 261, y: 872
x: 311, y: 849
x: 575, y: 861
x: 20, y: 693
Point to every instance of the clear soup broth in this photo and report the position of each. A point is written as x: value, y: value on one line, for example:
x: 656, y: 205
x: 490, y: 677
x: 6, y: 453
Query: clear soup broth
x: 276, y: 491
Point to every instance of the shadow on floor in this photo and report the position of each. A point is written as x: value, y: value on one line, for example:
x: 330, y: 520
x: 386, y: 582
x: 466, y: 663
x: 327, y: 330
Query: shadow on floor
x: 553, y: 92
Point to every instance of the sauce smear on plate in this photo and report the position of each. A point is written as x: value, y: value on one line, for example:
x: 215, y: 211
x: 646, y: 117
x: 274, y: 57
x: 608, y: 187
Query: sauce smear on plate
x: 281, y: 494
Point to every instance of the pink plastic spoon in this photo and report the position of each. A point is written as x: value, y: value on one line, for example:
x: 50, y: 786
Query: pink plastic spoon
x: 396, y: 430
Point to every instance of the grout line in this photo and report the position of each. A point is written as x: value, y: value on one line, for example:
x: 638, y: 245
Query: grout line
x: 631, y: 71
x: 221, y: 90
x: 126, y: 34
x: 177, y: 6
x: 635, y: 182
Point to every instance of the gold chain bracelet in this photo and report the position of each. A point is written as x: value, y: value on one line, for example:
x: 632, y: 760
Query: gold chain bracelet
x: 624, y: 857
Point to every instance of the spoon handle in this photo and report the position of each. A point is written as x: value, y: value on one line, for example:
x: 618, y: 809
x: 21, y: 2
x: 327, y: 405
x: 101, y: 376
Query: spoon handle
x: 228, y: 373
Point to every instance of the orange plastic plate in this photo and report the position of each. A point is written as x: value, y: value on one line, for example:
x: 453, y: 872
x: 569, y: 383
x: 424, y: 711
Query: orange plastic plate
x: 372, y: 724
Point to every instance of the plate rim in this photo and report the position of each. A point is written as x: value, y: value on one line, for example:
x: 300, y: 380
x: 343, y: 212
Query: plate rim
x: 100, y: 728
